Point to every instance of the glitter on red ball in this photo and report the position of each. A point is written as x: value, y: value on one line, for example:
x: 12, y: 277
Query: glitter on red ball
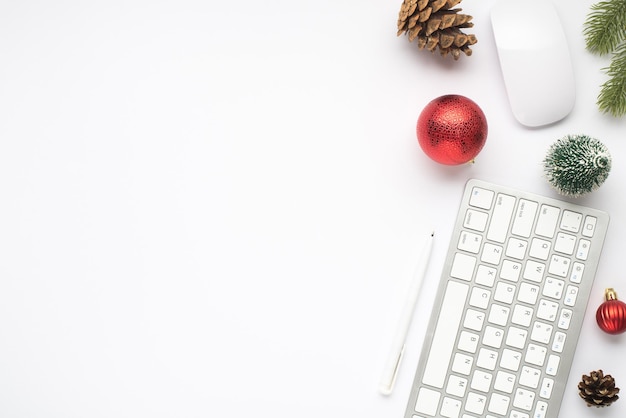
x: 452, y: 129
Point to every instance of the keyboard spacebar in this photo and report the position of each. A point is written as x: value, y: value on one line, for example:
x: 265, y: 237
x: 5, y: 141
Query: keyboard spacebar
x: 450, y: 315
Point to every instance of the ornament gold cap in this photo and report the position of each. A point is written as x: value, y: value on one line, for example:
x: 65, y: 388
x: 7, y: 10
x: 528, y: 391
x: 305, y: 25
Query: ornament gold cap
x: 610, y: 294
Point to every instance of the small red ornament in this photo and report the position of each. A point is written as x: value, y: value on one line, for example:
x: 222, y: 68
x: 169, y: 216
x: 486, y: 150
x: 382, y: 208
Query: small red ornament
x: 611, y: 315
x: 452, y: 129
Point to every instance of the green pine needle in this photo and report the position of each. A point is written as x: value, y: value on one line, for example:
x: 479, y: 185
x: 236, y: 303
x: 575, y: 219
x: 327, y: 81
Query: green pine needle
x: 612, y: 98
x: 605, y: 33
x: 604, y: 27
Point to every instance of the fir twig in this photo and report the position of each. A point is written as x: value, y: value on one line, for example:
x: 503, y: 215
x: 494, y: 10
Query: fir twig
x: 612, y: 97
x: 605, y: 25
x: 605, y: 32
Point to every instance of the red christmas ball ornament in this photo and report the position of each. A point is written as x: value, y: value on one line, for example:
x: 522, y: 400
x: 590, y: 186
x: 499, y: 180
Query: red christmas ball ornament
x: 452, y: 129
x: 611, y: 315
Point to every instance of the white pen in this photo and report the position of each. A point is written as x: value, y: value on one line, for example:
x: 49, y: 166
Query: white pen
x: 397, y: 349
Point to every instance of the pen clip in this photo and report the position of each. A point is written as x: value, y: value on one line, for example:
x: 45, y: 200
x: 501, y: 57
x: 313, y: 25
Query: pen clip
x: 387, y: 387
x: 397, y: 366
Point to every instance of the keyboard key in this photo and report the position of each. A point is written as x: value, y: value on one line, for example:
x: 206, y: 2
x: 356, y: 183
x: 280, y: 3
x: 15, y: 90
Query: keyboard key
x: 541, y: 410
x: 552, y: 366
x: 565, y: 318
x: 493, y: 337
x: 540, y: 248
x: 546, y: 388
x: 559, y: 342
x: 481, y: 381
x: 468, y: 342
x: 524, y: 399
x: 501, y: 218
x: 463, y: 267
x: 516, y: 248
x: 491, y: 254
x: 541, y: 332
x: 524, y: 218
x: 547, y: 221
x: 470, y: 242
x: 474, y: 320
x: 510, y: 270
x: 480, y: 298
x: 487, y: 359
x: 510, y: 359
x: 589, y: 226
x: 547, y: 310
x: 534, y: 271
x: 522, y: 315
x: 476, y: 220
x: 442, y: 344
x: 450, y: 407
x: 456, y: 386
x: 462, y: 364
x: 528, y: 293
x: 583, y: 249
x: 516, y: 337
x: 535, y: 354
x: 499, y: 314
x: 505, y: 382
x: 481, y: 198
x: 571, y: 294
x: 485, y: 275
x: 565, y: 243
x: 576, y: 275
x: 529, y: 377
x: 498, y: 404
x: 427, y: 401
x: 475, y: 403
x: 571, y: 221
x: 559, y: 266
x: 505, y: 292
x: 553, y: 288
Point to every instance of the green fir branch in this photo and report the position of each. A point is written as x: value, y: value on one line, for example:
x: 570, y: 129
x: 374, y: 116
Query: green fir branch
x: 612, y: 97
x: 605, y: 33
x: 605, y: 26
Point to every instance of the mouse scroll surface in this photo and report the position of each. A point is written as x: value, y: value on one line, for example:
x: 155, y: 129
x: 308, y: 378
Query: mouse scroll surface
x: 535, y: 60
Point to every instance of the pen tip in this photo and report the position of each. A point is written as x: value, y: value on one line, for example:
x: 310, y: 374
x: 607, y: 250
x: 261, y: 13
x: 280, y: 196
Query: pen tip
x: 432, y: 234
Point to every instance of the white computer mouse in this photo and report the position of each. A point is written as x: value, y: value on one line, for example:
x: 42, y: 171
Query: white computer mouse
x: 535, y: 60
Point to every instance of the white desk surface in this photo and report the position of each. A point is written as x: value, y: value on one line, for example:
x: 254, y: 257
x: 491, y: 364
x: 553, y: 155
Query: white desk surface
x: 212, y: 209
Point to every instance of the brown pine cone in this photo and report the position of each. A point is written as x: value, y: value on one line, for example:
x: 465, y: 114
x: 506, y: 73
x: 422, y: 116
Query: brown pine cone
x: 436, y: 25
x: 597, y: 389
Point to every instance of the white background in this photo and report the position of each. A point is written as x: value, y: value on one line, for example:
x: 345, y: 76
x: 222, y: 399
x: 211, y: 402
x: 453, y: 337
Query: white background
x: 213, y: 209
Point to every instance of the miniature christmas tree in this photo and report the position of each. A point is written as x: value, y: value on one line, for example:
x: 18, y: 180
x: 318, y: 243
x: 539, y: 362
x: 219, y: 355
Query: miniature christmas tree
x: 605, y: 33
x: 435, y: 24
x: 577, y: 164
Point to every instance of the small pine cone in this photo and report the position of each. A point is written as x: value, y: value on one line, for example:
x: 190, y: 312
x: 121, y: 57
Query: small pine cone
x: 436, y: 25
x: 597, y: 389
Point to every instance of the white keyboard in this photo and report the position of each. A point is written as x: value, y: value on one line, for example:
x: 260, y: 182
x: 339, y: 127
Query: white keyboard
x: 509, y: 307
